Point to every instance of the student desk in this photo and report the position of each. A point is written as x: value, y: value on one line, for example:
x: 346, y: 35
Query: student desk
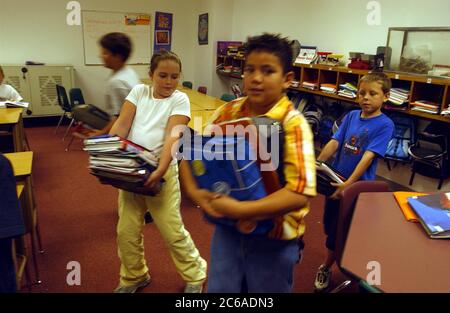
x: 409, y: 260
x: 12, y: 118
x: 202, y: 101
x: 22, y: 163
x: 19, y: 251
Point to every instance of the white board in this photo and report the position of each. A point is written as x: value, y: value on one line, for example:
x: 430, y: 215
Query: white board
x: 98, y: 23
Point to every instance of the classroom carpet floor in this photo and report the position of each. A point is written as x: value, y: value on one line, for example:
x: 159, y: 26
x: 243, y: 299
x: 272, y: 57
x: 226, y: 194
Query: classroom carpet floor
x: 78, y: 216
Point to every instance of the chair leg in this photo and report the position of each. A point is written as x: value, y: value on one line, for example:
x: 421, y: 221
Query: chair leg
x: 33, y: 252
x: 68, y: 128
x: 59, y: 123
x: 413, y: 173
x: 70, y: 142
x: 441, y: 180
x: 39, y: 240
x: 342, y: 286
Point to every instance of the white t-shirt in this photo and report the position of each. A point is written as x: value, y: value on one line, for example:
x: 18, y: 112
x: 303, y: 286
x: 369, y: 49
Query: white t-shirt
x: 8, y: 93
x: 152, y: 115
x: 118, y: 87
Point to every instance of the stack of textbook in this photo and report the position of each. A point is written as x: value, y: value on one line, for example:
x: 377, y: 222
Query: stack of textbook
x: 347, y: 90
x: 120, y: 163
x: 398, y: 99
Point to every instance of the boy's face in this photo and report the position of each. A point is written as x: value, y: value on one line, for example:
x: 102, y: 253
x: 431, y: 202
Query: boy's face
x: 264, y: 80
x: 371, y: 98
x: 110, y: 60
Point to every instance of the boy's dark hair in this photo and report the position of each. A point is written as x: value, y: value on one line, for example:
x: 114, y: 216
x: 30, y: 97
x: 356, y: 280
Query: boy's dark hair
x: 275, y: 44
x: 163, y: 55
x: 117, y: 44
x: 380, y: 78
x: 1, y: 71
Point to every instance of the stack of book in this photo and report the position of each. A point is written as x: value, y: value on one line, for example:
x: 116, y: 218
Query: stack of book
x: 425, y: 106
x: 398, y: 99
x: 325, y: 175
x: 310, y: 85
x: 328, y: 88
x: 347, y: 90
x: 295, y: 83
x: 120, y: 163
x: 14, y: 104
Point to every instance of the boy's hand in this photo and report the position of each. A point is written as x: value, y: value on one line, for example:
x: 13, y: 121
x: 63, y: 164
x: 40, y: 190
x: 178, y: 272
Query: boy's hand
x: 338, y: 193
x: 203, y: 198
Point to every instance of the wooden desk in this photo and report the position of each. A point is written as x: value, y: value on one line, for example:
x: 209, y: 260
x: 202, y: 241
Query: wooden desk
x: 19, y: 252
x: 202, y: 101
x: 203, y: 118
x: 410, y: 261
x: 12, y: 117
x: 22, y: 164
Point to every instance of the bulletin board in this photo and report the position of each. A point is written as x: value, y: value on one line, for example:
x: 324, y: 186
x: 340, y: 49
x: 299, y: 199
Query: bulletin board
x: 98, y: 23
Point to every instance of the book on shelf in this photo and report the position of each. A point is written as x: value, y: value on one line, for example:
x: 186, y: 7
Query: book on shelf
x: 307, y: 55
x: 433, y: 212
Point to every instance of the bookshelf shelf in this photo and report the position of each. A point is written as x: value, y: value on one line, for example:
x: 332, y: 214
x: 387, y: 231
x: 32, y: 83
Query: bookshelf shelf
x: 433, y: 89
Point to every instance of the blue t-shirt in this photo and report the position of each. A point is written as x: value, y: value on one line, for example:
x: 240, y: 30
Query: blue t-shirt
x: 356, y: 135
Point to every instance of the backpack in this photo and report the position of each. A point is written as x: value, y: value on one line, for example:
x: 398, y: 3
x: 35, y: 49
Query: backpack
x: 313, y: 115
x: 404, y: 136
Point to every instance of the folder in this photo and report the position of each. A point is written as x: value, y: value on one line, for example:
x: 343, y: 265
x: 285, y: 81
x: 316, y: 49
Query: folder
x: 433, y: 212
x: 402, y: 199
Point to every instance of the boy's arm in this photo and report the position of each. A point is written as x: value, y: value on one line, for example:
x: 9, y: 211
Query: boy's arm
x: 359, y: 170
x: 327, y: 151
x: 275, y: 204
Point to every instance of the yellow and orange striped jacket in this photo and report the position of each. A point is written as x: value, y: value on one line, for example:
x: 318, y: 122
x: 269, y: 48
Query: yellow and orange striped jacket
x: 298, y: 158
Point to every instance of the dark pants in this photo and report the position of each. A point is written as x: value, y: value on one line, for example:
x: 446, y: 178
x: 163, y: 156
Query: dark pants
x: 250, y: 263
x: 7, y: 270
x: 330, y: 221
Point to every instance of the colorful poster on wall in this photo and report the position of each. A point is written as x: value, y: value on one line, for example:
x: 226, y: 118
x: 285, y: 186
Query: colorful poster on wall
x: 163, y: 31
x: 203, y: 29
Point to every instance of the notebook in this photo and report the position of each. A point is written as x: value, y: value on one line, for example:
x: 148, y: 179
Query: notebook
x: 402, y: 199
x: 433, y: 212
x: 326, y: 175
x: 228, y: 165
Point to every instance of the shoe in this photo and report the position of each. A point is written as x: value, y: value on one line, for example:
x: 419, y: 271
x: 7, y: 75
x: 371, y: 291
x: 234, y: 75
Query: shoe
x: 132, y: 288
x: 148, y: 218
x: 323, y: 278
x: 193, y: 288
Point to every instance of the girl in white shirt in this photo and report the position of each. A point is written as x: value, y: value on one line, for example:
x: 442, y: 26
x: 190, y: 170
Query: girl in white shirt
x: 147, y: 118
x: 7, y: 92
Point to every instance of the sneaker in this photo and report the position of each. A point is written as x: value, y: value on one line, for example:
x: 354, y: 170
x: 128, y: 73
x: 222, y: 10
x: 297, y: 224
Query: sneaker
x: 193, y: 288
x: 148, y: 218
x: 323, y: 278
x: 132, y: 288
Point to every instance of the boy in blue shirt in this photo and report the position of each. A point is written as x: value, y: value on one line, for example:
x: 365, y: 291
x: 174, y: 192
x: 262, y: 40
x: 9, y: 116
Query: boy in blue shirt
x: 362, y: 138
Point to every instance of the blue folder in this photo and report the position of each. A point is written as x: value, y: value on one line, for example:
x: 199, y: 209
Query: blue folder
x: 433, y: 212
x: 229, y: 166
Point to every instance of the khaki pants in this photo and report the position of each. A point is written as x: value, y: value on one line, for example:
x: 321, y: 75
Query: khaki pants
x: 165, y: 210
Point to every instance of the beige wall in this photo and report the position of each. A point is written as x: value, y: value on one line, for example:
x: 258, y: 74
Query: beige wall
x: 37, y: 30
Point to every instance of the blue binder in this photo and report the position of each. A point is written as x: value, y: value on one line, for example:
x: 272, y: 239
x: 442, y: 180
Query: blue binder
x: 227, y: 165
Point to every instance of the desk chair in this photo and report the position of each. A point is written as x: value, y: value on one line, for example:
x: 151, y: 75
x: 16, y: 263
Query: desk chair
x: 347, y: 205
x: 76, y: 97
x: 65, y: 105
x: 227, y: 97
x: 187, y: 84
x: 202, y: 89
x: 429, y: 156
